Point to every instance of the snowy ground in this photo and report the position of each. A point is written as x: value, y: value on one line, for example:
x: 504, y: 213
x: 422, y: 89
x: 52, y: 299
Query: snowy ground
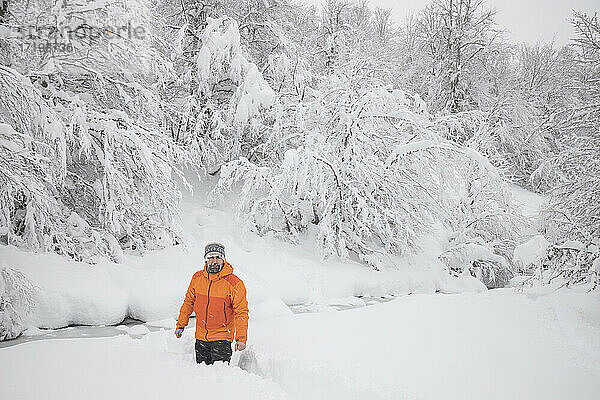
x: 531, y: 203
x: 477, y: 344
x: 494, y: 345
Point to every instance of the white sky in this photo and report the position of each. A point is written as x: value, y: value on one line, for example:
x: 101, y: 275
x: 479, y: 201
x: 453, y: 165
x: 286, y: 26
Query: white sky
x: 526, y: 20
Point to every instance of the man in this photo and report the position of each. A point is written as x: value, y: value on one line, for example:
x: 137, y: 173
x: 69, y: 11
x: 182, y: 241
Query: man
x: 218, y: 298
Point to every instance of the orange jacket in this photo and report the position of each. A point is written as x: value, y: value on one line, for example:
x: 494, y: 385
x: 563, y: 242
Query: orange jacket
x: 219, y: 301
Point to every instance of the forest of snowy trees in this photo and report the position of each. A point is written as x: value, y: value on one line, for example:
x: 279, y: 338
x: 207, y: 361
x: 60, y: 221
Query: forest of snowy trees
x: 339, y: 122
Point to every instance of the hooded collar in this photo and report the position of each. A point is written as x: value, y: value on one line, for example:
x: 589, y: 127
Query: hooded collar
x: 227, y: 270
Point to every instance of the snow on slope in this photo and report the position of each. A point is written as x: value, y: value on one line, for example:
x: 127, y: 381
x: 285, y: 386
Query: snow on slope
x: 152, y: 287
x: 491, y: 345
x: 531, y: 202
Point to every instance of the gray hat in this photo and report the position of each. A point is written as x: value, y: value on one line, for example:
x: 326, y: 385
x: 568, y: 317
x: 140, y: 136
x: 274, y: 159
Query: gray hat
x: 214, y: 250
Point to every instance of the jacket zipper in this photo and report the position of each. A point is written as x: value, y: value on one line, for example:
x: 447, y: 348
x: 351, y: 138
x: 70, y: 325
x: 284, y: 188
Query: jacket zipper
x: 206, y: 315
x: 225, y: 313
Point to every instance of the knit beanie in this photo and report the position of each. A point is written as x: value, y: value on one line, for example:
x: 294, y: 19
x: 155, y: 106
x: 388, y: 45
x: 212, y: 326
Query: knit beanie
x: 214, y: 250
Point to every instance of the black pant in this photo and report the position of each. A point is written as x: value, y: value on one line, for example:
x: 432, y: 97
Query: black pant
x: 216, y: 350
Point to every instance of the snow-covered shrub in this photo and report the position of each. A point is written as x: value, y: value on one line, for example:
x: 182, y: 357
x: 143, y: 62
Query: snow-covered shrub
x: 121, y: 168
x: 88, y: 244
x: 121, y: 180
x: 99, y: 168
x: 572, y: 261
x: 528, y: 256
x: 17, y: 298
x: 483, y: 220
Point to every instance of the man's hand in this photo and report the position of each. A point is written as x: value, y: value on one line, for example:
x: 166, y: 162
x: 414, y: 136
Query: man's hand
x: 239, y: 346
x: 178, y: 332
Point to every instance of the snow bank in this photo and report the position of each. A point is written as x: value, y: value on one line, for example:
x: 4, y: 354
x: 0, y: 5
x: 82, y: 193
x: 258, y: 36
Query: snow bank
x: 152, y: 287
x: 148, y: 288
x: 532, y: 252
x: 464, y: 283
x: 531, y: 203
x: 69, y: 292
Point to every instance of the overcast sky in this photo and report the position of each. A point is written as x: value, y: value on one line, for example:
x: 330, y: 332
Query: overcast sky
x: 526, y: 20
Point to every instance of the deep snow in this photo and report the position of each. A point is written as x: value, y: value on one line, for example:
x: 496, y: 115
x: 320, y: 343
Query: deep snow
x: 494, y: 345
x: 120, y: 368
x: 498, y: 344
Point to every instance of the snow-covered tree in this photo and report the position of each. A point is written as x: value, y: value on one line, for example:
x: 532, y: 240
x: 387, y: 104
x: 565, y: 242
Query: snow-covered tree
x: 454, y: 49
x: 219, y: 48
x: 346, y: 178
x: 33, y: 147
x: 484, y: 223
x: 370, y: 174
x: 17, y: 298
x: 455, y: 36
x: 317, y: 118
x: 115, y: 158
x: 455, y: 57
x: 574, y: 210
